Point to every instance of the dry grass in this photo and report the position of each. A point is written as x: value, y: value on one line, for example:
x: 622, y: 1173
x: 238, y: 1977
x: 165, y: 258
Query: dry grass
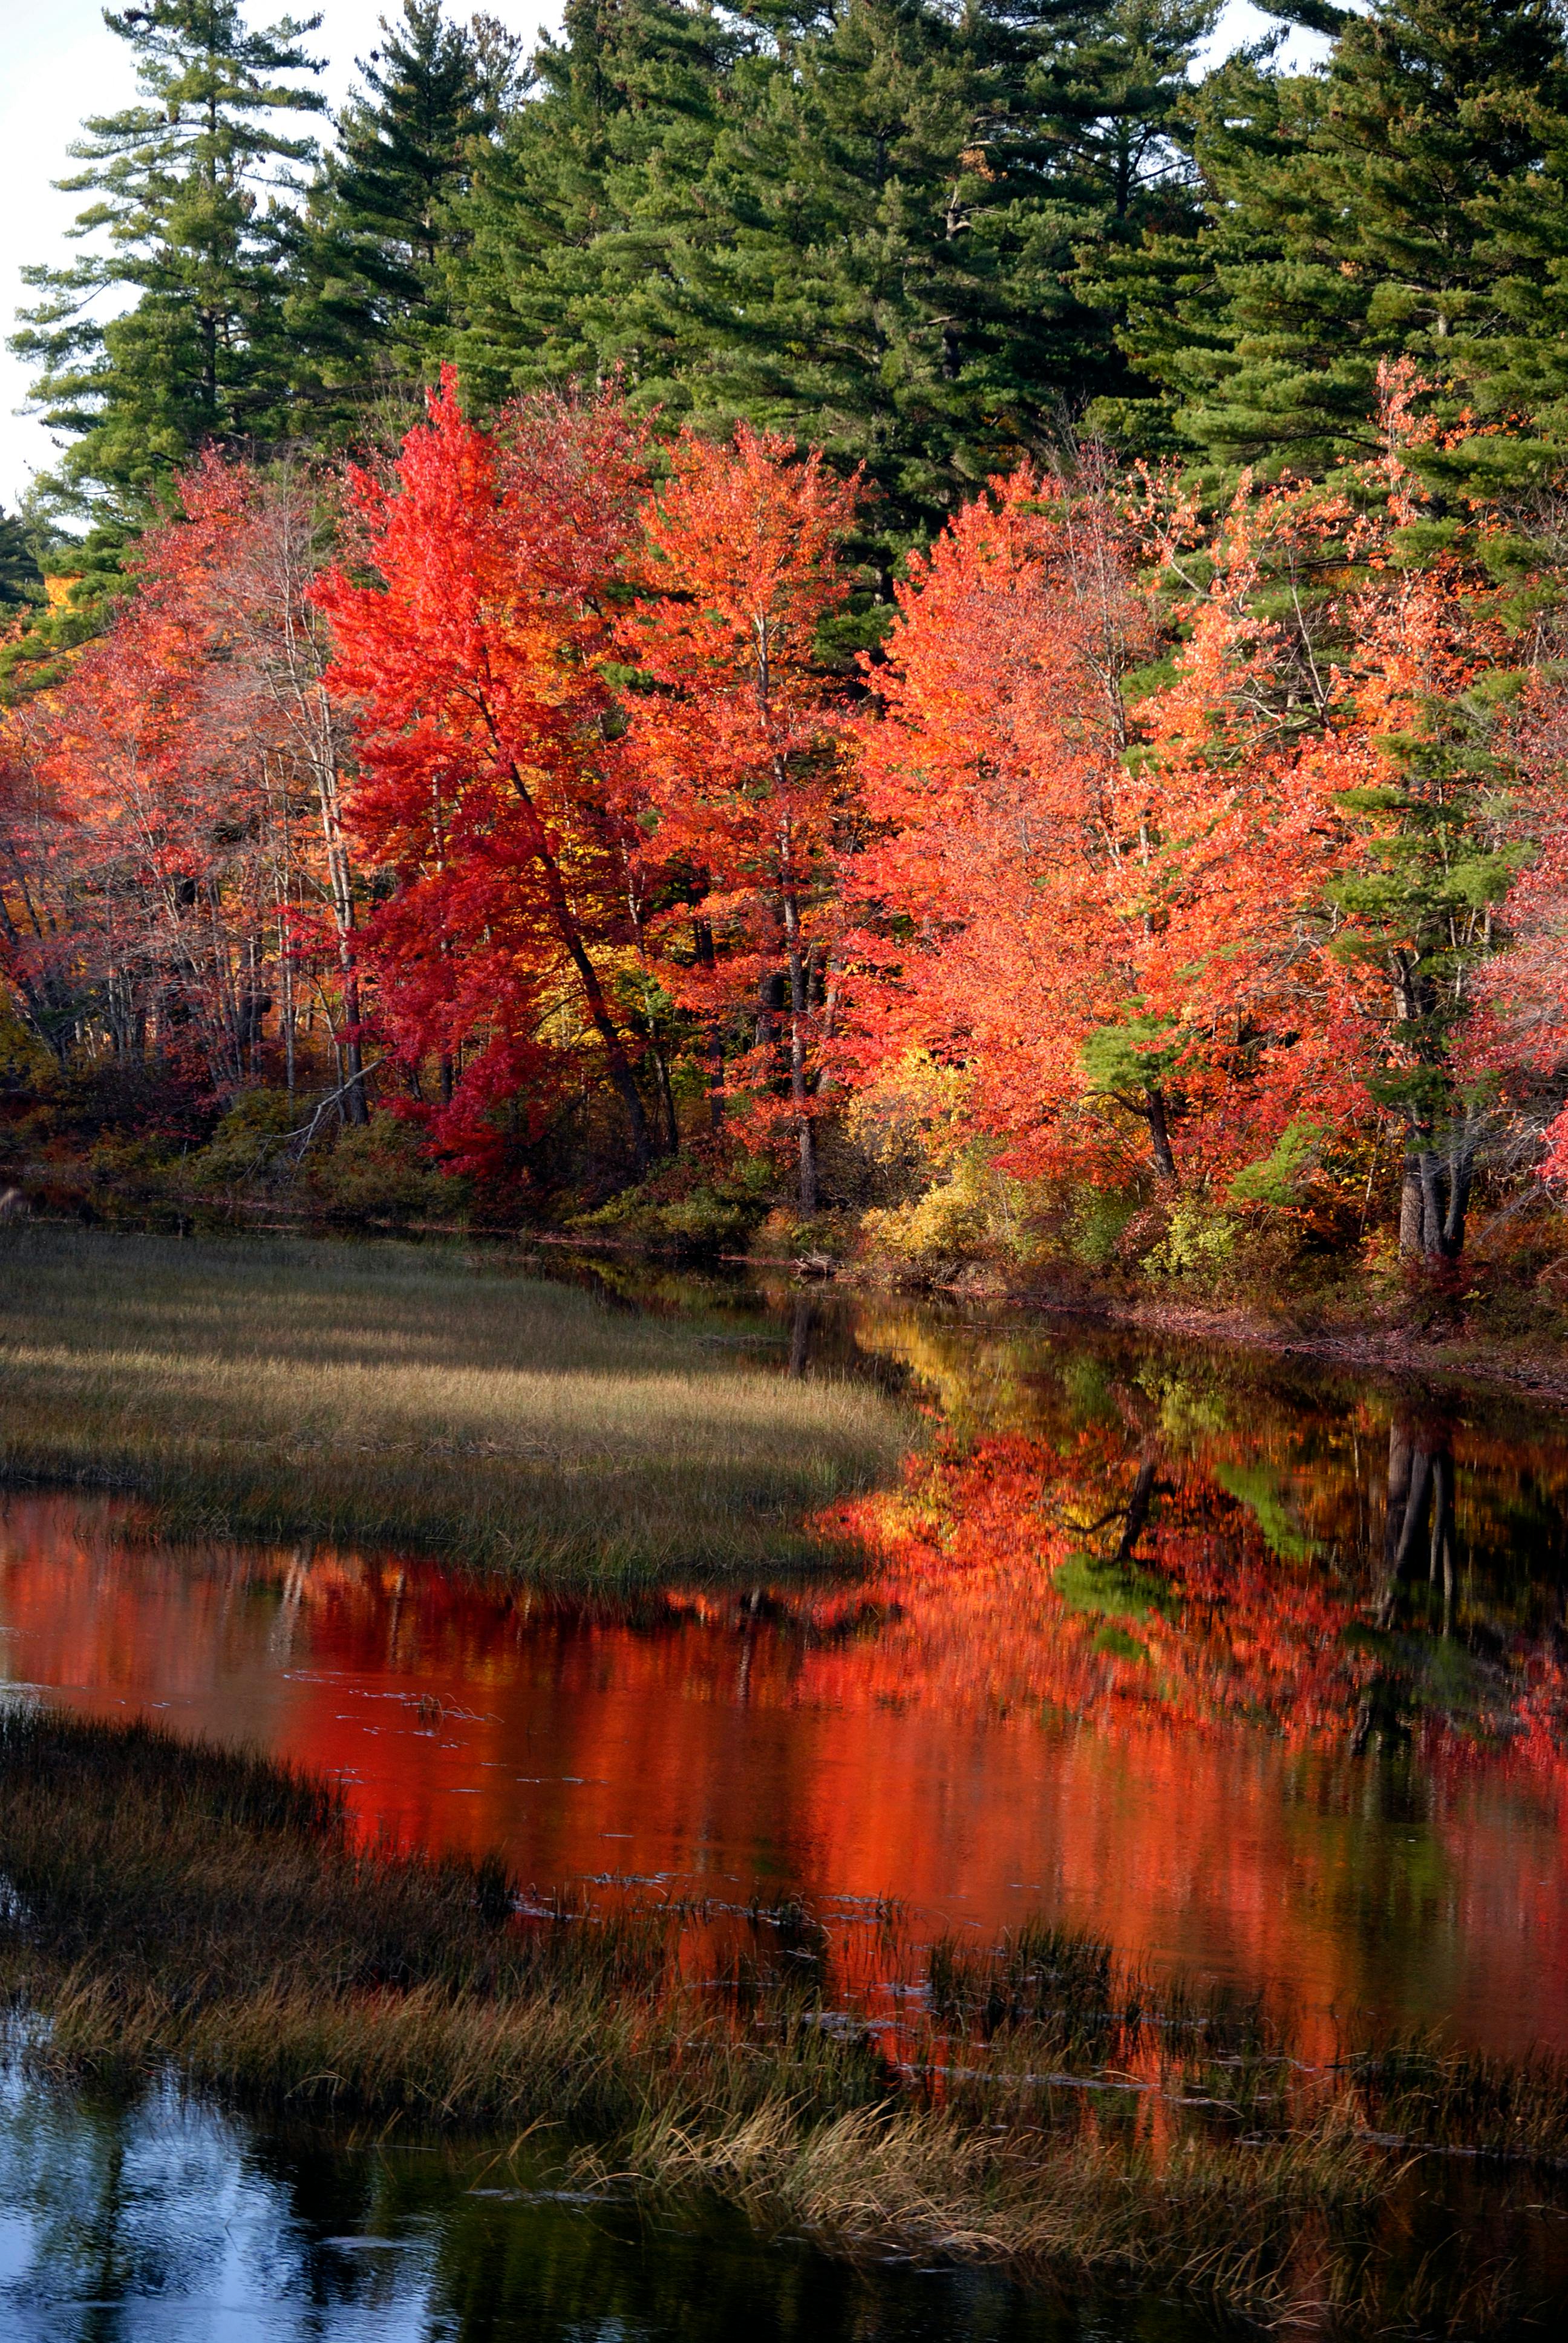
x: 404, y: 1395
x: 170, y: 1907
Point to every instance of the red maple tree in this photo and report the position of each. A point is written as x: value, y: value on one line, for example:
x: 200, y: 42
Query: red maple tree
x: 471, y: 665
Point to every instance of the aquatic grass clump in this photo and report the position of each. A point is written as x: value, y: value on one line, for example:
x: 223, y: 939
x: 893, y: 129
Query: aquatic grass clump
x: 182, y: 1909
x: 1426, y: 2096
x: 417, y: 1397
x: 1045, y: 1990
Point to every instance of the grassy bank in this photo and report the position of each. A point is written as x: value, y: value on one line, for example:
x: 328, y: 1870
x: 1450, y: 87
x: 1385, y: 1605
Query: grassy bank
x: 392, y: 1393
x: 1037, y: 2107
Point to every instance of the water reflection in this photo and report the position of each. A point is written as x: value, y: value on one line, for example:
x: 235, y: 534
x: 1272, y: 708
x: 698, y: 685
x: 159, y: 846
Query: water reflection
x: 1257, y: 1673
x: 165, y: 2222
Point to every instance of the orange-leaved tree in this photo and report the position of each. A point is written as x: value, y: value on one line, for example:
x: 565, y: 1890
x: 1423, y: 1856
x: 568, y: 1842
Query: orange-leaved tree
x: 153, y: 910
x: 174, y: 848
x: 471, y: 661
x: 1236, y: 835
x: 991, y: 770
x: 1192, y: 905
x: 734, y: 744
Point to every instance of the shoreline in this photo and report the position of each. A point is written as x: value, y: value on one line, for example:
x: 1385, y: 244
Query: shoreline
x: 1513, y: 1363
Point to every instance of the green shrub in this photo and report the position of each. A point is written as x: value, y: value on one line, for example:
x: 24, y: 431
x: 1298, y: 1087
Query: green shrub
x: 1197, y: 1238
x: 1097, y: 1221
x: 1276, y: 1177
x: 379, y: 1171
x: 249, y: 1140
x: 1112, y: 1590
x: 691, y: 1207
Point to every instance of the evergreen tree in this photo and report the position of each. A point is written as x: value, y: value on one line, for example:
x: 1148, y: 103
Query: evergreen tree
x: 21, y: 579
x: 186, y: 187
x: 857, y: 227
x: 1353, y: 215
x: 379, y: 229
x: 920, y: 311
x: 1515, y: 373
x: 584, y: 204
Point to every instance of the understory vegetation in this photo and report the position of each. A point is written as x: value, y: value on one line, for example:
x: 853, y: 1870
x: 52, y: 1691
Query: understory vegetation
x: 413, y: 1396
x: 1040, y: 2105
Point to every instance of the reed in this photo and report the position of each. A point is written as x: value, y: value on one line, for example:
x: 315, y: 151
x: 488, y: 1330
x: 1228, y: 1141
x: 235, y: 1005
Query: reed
x: 179, y: 1907
x: 417, y: 1397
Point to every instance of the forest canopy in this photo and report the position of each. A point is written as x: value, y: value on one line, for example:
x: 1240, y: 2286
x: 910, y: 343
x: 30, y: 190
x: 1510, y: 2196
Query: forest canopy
x: 937, y: 630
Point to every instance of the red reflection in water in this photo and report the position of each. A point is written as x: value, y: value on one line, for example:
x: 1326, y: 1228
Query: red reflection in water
x: 907, y: 1737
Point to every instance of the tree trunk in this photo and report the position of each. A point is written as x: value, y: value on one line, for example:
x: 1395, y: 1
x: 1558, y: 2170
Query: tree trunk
x: 714, y: 1078
x: 1410, y: 1207
x: 800, y: 1339
x: 355, y: 1107
x: 1442, y: 1554
x: 800, y: 1094
x: 1137, y: 1519
x: 1420, y: 1475
x: 703, y: 939
x: 665, y: 1099
x: 1462, y: 1142
x: 570, y: 934
x: 808, y: 1168
x: 1159, y: 1133
x: 1434, y: 1192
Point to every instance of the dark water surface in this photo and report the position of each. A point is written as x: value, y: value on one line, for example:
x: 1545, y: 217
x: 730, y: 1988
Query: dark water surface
x: 165, y: 2223
x: 1258, y: 1672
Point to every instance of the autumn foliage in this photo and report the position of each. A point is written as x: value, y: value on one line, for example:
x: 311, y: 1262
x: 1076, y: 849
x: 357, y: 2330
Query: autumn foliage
x: 1214, y: 861
x: 471, y: 665
x: 735, y: 751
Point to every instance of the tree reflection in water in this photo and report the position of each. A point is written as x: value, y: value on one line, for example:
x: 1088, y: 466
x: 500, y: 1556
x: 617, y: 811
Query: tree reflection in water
x: 1120, y: 1527
x: 1247, y: 1668
x: 162, y: 2220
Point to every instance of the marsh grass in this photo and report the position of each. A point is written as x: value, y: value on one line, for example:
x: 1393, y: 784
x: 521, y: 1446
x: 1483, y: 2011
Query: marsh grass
x: 169, y: 1908
x: 395, y: 1394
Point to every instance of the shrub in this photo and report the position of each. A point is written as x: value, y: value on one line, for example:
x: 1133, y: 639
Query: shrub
x: 380, y: 1171
x: 975, y: 1213
x: 690, y: 1206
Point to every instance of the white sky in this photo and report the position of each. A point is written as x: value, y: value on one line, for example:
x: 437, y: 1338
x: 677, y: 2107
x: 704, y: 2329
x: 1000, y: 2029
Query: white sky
x: 62, y: 63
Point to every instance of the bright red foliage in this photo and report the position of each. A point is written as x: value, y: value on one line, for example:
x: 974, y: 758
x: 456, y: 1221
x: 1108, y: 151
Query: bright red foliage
x: 480, y: 714
x: 1158, y: 853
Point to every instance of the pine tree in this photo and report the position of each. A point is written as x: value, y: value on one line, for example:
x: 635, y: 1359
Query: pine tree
x: 379, y: 229
x: 1515, y: 373
x: 857, y: 229
x: 1353, y: 215
x: 855, y: 290
x: 21, y: 579
x: 583, y: 204
x: 187, y: 188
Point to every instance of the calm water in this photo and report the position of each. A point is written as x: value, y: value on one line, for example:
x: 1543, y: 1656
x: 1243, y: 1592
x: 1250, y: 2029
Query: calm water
x: 1261, y: 1673
x: 162, y: 2223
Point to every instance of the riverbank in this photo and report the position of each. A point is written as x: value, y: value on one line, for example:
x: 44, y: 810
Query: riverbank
x: 1366, y: 1331
x: 1038, y: 2107
x: 419, y: 1397
x: 1528, y: 1365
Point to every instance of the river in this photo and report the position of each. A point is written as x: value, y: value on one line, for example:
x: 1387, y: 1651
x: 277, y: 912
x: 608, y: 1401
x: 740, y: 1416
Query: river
x: 1255, y: 1670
